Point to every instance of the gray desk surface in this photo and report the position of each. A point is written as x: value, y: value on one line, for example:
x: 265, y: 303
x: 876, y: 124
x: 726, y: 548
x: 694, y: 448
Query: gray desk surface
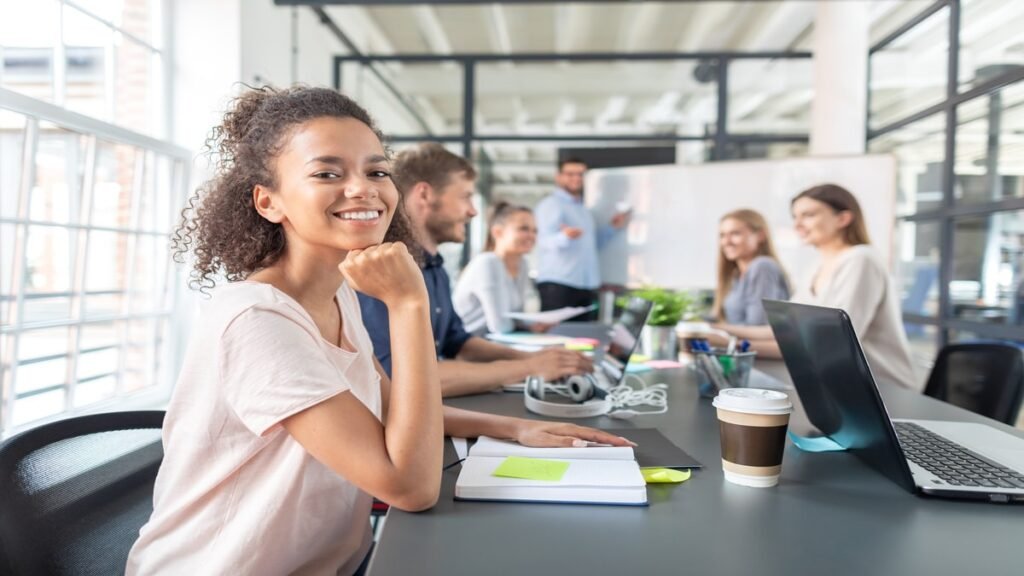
x: 830, y: 514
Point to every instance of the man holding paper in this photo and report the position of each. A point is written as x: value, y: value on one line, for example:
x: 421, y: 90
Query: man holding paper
x: 568, y: 240
x: 437, y: 190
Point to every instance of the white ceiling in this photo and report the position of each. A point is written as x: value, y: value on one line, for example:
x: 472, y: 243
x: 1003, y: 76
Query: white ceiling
x: 560, y: 98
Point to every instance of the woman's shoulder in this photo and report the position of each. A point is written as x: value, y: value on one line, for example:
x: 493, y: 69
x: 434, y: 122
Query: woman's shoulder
x: 483, y: 263
x: 764, y: 264
x: 863, y: 256
x: 237, y: 297
x: 252, y: 303
x: 487, y: 258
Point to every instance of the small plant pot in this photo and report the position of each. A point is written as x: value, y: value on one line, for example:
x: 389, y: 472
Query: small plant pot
x: 660, y: 342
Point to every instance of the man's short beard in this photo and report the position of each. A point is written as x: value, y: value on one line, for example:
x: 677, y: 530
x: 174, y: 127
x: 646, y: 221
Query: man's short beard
x: 442, y: 230
x: 577, y: 193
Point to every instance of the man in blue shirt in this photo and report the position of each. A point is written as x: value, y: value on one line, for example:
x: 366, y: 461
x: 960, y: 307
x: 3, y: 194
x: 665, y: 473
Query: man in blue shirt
x: 568, y: 241
x: 437, y: 193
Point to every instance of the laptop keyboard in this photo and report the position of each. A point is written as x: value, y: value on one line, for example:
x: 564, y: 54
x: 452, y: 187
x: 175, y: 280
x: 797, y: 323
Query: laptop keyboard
x: 954, y: 464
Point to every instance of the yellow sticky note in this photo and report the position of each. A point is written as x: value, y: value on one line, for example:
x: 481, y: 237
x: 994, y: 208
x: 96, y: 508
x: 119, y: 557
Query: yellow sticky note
x: 580, y: 346
x: 664, y: 475
x: 639, y: 358
x: 531, y: 469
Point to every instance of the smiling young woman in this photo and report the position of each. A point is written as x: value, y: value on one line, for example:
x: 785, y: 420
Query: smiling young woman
x: 496, y: 281
x: 748, y: 269
x: 282, y: 427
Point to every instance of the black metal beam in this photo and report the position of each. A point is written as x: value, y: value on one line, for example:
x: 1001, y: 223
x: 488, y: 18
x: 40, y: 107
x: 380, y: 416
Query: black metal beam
x: 1010, y: 77
x: 921, y: 319
x: 907, y: 120
x: 767, y: 138
x: 472, y: 2
x: 730, y: 138
x: 722, y: 119
x: 946, y: 226
x: 964, y: 210
x: 468, y: 108
x: 567, y: 56
x: 921, y: 17
x: 986, y: 329
x: 326, y: 20
x: 549, y: 138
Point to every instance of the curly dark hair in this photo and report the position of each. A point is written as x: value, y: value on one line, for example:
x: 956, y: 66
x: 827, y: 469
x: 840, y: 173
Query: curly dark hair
x: 219, y: 224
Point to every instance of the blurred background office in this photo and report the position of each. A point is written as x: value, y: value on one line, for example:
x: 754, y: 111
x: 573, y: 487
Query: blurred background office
x: 105, y: 105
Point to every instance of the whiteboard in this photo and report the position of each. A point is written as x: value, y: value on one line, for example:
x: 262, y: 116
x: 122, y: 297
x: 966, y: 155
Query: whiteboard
x: 672, y: 237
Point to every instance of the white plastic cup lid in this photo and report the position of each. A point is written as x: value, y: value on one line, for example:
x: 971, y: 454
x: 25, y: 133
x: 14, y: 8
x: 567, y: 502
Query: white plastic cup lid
x: 753, y: 400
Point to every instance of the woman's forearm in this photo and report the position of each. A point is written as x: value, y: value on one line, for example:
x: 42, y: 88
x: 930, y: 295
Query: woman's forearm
x: 468, y: 424
x: 415, y: 427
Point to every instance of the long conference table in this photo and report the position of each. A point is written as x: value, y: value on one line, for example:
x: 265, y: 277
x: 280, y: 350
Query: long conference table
x: 830, y: 514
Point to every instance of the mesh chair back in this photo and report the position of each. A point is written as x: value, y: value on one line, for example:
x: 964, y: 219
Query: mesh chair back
x: 987, y: 379
x: 76, y: 492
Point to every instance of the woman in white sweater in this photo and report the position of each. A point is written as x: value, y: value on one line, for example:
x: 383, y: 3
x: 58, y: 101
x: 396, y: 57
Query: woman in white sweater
x: 496, y: 281
x: 851, y: 276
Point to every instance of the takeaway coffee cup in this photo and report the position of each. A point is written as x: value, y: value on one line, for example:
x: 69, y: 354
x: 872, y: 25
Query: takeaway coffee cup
x: 752, y: 423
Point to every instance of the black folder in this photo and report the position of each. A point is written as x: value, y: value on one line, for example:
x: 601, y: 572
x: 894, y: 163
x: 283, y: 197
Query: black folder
x: 654, y: 450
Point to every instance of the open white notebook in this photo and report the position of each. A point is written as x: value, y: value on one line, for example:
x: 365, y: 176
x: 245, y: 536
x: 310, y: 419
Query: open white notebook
x: 596, y: 475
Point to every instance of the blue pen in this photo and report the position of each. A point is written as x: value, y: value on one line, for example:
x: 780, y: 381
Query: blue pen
x: 745, y: 346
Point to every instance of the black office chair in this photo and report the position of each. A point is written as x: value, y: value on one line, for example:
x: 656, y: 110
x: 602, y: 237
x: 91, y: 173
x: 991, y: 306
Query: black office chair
x: 74, y: 493
x: 987, y: 379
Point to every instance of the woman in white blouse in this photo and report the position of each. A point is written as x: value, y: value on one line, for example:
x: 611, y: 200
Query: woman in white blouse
x: 851, y: 276
x: 496, y: 281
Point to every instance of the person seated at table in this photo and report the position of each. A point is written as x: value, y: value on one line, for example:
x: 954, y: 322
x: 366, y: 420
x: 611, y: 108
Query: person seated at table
x: 748, y: 269
x: 850, y: 275
x: 497, y: 280
x: 282, y: 427
x: 438, y: 188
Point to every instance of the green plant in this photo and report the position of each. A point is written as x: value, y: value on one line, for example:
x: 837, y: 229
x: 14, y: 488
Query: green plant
x: 669, y: 306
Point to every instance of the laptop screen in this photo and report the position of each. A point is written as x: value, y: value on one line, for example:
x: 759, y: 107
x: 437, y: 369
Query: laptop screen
x: 624, y: 335
x: 835, y: 385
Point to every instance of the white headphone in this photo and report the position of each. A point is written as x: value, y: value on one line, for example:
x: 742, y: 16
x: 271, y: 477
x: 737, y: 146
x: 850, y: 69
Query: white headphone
x: 590, y: 400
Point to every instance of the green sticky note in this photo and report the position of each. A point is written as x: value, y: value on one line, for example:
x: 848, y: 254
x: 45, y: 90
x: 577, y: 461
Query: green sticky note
x: 664, y: 475
x: 531, y: 469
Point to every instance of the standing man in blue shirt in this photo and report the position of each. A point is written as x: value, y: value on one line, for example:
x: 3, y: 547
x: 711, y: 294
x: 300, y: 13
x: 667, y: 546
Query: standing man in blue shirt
x: 568, y: 240
x: 437, y: 193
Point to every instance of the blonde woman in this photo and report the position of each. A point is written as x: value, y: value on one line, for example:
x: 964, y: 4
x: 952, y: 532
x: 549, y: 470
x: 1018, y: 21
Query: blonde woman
x: 496, y: 281
x: 850, y: 276
x: 748, y: 269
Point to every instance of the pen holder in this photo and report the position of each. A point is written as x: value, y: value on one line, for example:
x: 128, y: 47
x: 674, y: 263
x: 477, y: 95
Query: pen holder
x: 718, y: 369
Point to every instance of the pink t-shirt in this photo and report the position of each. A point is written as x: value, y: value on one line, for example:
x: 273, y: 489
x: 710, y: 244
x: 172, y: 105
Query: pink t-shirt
x: 236, y: 494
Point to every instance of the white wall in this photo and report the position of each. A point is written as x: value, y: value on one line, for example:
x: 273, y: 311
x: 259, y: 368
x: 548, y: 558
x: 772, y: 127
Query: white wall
x: 203, y: 70
x: 672, y: 237
x: 268, y: 36
x: 266, y: 40
x: 221, y: 43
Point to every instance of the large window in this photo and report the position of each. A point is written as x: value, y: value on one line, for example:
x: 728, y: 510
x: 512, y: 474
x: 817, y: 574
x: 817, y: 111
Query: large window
x: 103, y: 58
x: 947, y: 99
x: 89, y: 193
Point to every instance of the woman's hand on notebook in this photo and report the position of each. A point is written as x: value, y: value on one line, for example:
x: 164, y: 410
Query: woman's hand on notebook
x: 563, y: 435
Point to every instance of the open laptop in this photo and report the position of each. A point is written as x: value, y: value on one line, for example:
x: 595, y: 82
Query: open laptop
x: 623, y: 337
x: 840, y: 397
